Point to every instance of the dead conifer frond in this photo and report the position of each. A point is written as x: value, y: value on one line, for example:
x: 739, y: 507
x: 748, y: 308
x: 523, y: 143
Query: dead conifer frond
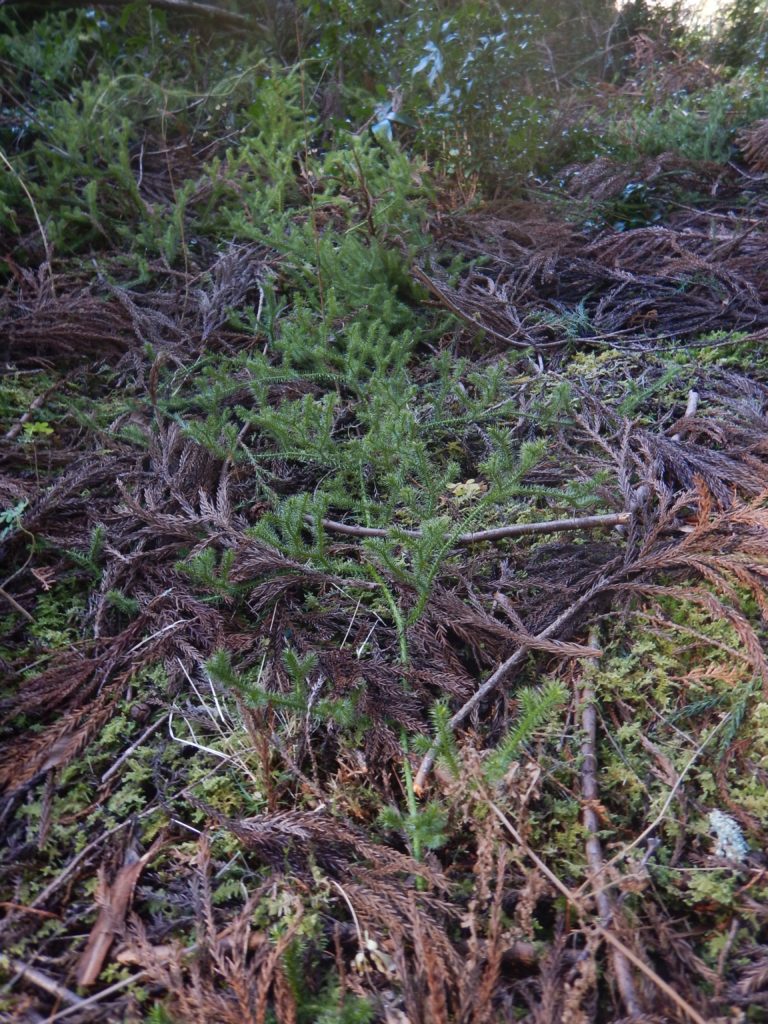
x: 296, y: 836
x: 623, y: 287
x: 754, y: 145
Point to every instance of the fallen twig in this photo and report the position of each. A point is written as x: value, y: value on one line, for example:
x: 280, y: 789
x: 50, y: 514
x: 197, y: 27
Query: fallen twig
x: 10, y: 905
x: 690, y: 411
x: 38, y: 403
x: 521, y: 635
x: 15, y: 605
x: 62, y: 877
x: 42, y: 981
x: 591, y: 794
x: 97, y: 997
x: 114, y: 900
x: 499, y: 533
x: 493, y: 680
x: 115, y: 767
x: 649, y: 829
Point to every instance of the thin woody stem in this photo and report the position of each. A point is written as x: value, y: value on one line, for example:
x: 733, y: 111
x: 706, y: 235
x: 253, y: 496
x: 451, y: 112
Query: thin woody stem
x: 591, y: 794
x: 501, y: 672
x: 499, y: 533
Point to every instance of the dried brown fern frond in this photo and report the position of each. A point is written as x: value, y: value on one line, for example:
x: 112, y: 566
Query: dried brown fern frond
x: 231, y: 981
x: 82, y: 320
x: 604, y: 178
x: 478, y: 996
x: 82, y: 327
x: 726, y: 548
x: 396, y: 933
x: 668, y: 70
x: 233, y: 972
x: 173, y: 627
x: 238, y: 272
x: 544, y: 994
x: 71, y: 677
x: 432, y: 971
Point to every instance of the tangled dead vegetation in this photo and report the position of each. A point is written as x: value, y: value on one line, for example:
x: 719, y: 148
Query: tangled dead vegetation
x: 540, y: 281
x: 52, y: 321
x: 693, y: 493
x: 260, y: 828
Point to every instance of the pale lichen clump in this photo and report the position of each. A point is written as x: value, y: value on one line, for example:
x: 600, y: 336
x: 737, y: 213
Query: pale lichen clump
x: 730, y: 841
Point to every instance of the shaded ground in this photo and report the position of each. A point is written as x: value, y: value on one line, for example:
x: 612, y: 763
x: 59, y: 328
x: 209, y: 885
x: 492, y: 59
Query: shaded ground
x: 247, y: 774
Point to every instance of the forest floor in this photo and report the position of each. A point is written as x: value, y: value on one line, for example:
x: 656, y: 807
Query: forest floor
x: 384, y: 591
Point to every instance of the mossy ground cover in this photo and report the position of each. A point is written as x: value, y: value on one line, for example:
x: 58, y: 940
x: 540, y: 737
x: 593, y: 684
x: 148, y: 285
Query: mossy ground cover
x: 289, y: 732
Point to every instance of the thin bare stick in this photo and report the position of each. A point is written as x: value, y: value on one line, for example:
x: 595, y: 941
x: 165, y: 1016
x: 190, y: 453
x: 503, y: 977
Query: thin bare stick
x: 38, y: 403
x: 690, y: 411
x: 664, y: 807
x: 8, y: 905
x: 725, y: 952
x: 15, y: 605
x: 493, y: 680
x: 97, y: 997
x: 609, y: 937
x: 114, y: 900
x: 499, y: 533
x: 591, y: 795
x: 113, y: 768
x: 42, y: 981
x: 61, y: 878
